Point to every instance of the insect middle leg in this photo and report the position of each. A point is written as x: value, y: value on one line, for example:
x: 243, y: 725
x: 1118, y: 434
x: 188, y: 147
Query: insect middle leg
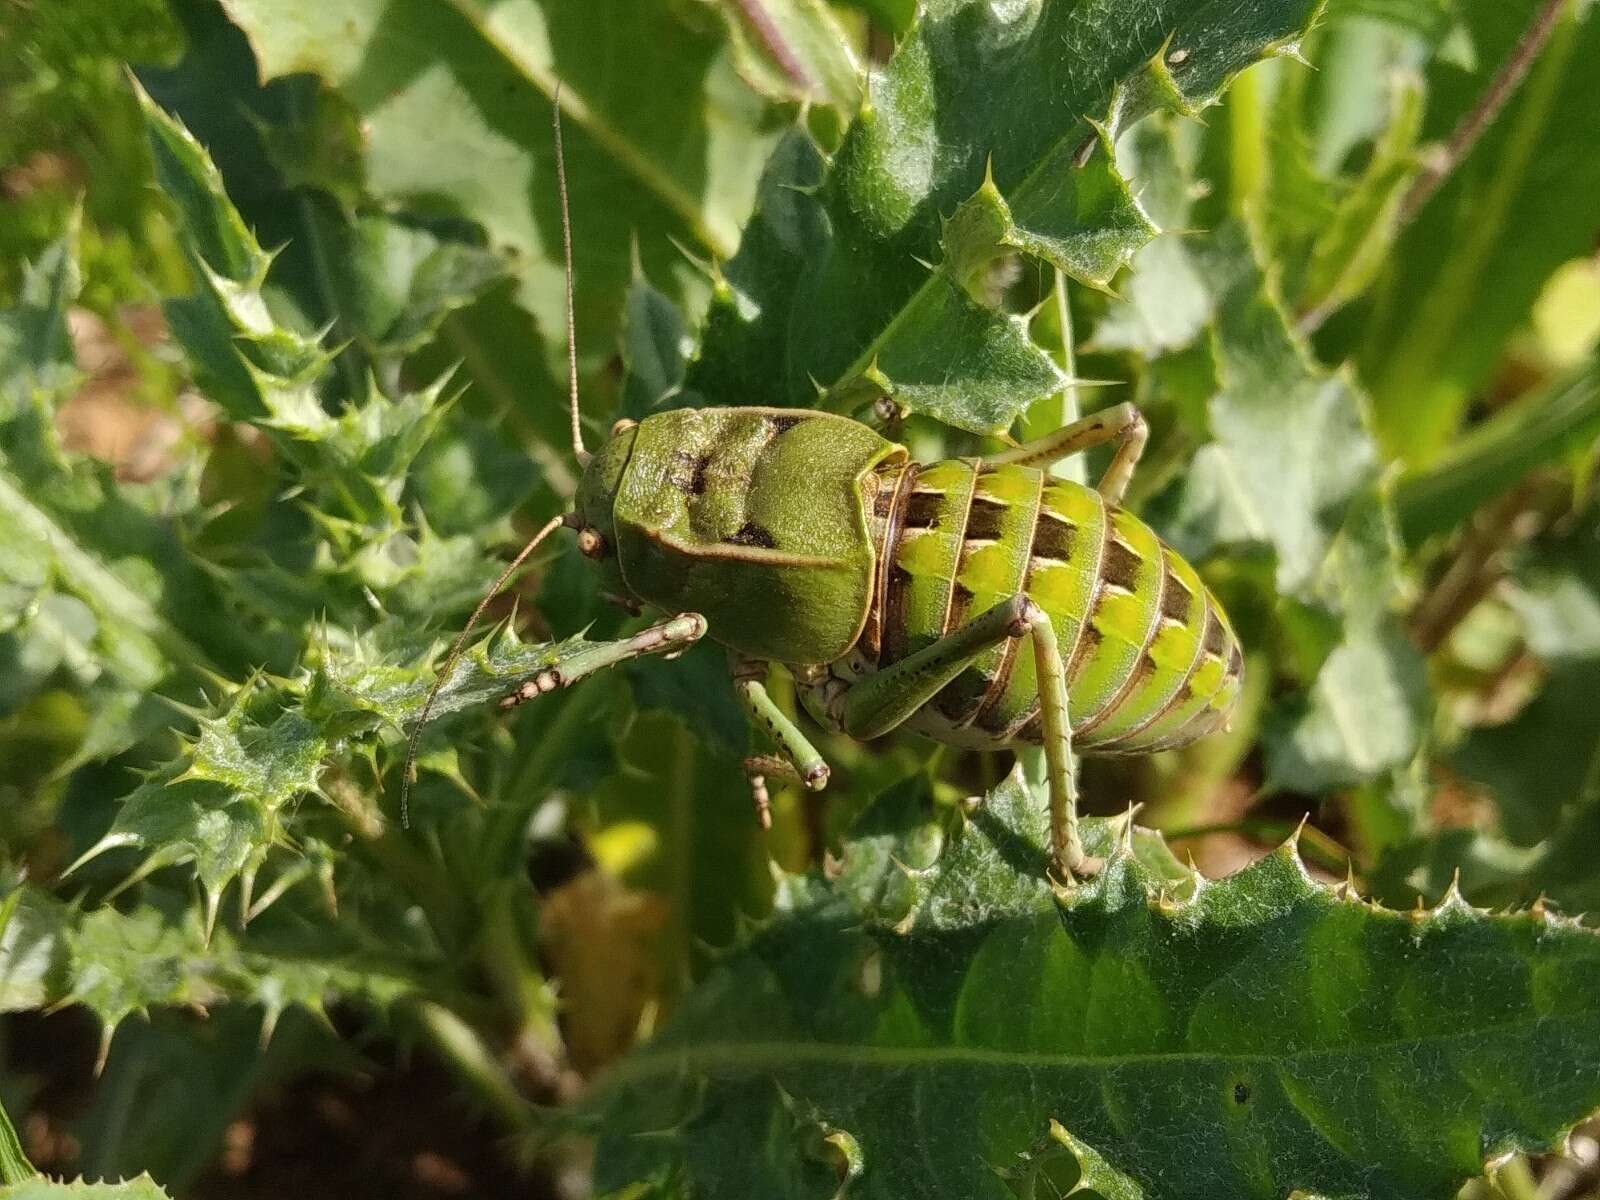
x: 875, y: 705
x: 1122, y: 423
x: 797, y: 759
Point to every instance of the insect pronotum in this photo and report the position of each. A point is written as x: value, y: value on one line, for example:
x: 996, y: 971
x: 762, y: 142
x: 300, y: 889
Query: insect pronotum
x: 979, y: 601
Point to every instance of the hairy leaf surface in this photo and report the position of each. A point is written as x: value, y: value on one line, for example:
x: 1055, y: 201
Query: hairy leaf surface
x: 988, y: 133
x: 40, y: 1188
x: 933, y: 1021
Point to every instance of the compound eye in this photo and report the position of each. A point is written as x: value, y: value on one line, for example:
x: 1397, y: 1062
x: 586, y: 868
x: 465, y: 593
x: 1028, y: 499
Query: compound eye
x: 591, y: 542
x: 622, y: 426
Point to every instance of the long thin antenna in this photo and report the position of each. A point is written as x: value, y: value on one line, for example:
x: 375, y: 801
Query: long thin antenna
x: 578, y: 450
x: 454, y: 657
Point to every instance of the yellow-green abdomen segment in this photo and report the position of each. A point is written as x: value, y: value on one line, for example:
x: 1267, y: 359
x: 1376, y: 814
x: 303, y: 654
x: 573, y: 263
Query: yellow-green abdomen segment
x: 1151, y: 660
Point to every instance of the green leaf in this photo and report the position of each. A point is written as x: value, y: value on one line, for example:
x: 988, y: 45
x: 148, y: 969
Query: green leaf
x: 172, y: 1087
x: 895, y: 16
x: 662, y: 136
x: 1363, y: 715
x: 1164, y: 301
x: 1366, y: 711
x: 118, y: 963
x: 1543, y: 765
x: 40, y: 1188
x: 251, y: 363
x: 393, y: 282
x: 1003, y: 122
x: 397, y: 285
x: 933, y: 1021
x: 224, y: 804
x: 35, y: 344
x: 1290, y: 446
x: 1464, y: 275
x: 1349, y: 251
x: 791, y: 50
x: 1493, y: 457
x: 655, y: 349
x: 86, y: 564
x: 14, y: 1164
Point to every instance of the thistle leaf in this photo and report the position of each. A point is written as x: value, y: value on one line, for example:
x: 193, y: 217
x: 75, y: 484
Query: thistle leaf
x: 829, y: 284
x: 117, y: 964
x: 40, y: 1188
x: 938, y: 1010
x: 1290, y: 448
x: 658, y: 122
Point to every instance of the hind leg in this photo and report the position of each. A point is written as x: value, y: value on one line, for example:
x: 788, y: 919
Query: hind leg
x: 1121, y: 423
x: 1061, y: 769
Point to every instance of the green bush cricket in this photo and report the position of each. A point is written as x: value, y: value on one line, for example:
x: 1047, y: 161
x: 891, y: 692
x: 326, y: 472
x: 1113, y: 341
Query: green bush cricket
x: 899, y: 593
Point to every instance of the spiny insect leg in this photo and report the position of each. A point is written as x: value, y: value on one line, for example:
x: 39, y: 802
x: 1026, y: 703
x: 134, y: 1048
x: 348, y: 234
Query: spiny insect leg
x: 875, y: 705
x: 669, y: 638
x: 1122, y: 423
x: 1066, y: 843
x: 797, y: 759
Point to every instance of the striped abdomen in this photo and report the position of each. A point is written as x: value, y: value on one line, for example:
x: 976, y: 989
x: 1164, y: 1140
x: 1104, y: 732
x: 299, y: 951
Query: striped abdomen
x: 1151, y: 660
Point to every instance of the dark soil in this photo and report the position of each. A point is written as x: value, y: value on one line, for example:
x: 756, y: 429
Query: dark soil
x: 396, y: 1129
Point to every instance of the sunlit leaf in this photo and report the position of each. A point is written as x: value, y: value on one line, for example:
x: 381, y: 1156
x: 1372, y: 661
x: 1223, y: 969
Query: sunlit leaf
x: 858, y: 283
x: 933, y: 1020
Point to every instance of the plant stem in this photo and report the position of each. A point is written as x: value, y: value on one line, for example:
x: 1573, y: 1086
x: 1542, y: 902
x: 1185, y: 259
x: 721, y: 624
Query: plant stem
x: 1483, y: 113
x: 1062, y: 408
x: 1479, y: 561
x: 464, y: 1052
x: 680, y: 851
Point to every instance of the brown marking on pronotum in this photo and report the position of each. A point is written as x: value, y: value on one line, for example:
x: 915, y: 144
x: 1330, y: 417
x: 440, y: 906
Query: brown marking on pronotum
x: 689, y: 472
x: 782, y: 425
x: 752, y: 534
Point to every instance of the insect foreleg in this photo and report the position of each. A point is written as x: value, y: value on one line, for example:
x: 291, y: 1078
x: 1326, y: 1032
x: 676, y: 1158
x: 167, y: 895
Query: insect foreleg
x: 1122, y: 423
x: 875, y: 705
x: 1066, y: 844
x: 797, y: 760
x: 668, y: 637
